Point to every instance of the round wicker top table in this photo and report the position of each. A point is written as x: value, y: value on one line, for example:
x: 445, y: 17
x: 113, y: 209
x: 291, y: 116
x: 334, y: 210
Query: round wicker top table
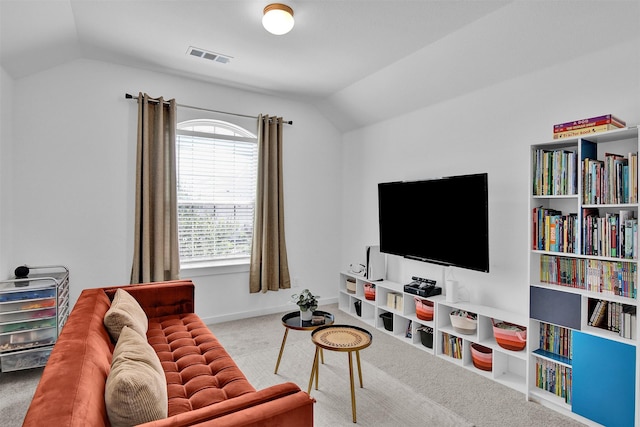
x: 293, y: 321
x: 343, y: 338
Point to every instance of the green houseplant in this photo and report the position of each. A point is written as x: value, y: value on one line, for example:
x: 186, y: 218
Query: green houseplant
x: 307, y: 302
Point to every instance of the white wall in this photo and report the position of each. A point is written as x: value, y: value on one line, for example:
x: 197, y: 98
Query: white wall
x: 489, y: 130
x: 69, y: 141
x: 6, y: 126
x: 73, y: 178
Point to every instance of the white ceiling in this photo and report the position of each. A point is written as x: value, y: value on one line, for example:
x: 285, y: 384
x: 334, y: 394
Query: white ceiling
x: 357, y: 60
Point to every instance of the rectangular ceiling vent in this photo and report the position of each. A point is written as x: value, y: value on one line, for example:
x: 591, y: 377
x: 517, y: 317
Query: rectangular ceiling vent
x: 211, y: 56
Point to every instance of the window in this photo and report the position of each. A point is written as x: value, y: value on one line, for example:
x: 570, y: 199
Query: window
x: 216, y: 173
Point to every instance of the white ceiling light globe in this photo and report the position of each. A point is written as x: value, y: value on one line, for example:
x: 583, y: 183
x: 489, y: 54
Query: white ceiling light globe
x: 278, y: 19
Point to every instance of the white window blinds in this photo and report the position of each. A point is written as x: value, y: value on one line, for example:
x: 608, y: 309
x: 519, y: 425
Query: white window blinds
x: 216, y: 193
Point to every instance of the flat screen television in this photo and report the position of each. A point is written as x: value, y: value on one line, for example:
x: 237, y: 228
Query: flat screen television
x: 443, y: 221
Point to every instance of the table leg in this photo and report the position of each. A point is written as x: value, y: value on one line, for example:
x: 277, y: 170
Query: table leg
x: 322, y: 356
x: 359, y: 369
x: 314, y: 371
x: 353, y: 392
x: 284, y: 340
x: 318, y: 350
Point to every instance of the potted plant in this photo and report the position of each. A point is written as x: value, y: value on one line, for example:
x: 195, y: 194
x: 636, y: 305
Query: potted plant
x: 307, y: 303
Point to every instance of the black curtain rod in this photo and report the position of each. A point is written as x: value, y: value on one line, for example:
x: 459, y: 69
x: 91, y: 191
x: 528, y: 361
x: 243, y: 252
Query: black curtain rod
x: 129, y: 96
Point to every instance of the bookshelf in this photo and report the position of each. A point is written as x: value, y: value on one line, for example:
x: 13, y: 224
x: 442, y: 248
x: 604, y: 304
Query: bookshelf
x: 583, y: 271
x: 509, y: 367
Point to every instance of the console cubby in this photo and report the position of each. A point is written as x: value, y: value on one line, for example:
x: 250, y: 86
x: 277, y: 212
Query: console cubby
x: 508, y: 367
x: 400, y: 327
x: 416, y: 335
x: 610, y: 319
x: 347, y: 300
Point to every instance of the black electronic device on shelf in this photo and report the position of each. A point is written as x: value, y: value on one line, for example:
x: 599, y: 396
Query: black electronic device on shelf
x: 423, y: 287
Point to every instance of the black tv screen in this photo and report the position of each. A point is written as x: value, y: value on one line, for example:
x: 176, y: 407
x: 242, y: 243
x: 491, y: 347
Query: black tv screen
x: 443, y: 221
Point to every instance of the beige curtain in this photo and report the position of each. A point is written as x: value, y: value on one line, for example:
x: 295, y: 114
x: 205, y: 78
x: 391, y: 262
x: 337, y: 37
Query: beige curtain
x: 269, y: 270
x: 155, y: 255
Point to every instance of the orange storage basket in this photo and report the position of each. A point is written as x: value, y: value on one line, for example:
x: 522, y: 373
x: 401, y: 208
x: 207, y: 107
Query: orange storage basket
x: 370, y: 291
x: 510, y: 336
x: 424, y: 309
x: 481, y: 357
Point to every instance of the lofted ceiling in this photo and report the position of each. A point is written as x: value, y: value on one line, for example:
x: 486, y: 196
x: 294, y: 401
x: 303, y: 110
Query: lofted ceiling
x: 357, y: 60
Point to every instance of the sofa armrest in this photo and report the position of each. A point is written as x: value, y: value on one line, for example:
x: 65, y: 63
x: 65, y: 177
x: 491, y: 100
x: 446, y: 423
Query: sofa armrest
x: 71, y: 389
x: 282, y: 405
x: 159, y: 299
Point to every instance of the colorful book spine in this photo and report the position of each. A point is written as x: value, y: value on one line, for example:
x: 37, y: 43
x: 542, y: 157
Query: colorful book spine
x: 606, y: 277
x: 612, y: 235
x: 591, y: 121
x: 584, y: 131
x: 554, y: 378
x: 452, y: 346
x: 557, y: 340
x: 553, y: 231
x: 612, y: 316
x: 555, y: 173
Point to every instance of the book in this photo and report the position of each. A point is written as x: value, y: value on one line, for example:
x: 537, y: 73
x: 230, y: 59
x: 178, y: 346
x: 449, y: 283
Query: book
x: 588, y: 125
x: 584, y: 131
x: 612, y: 180
x: 617, y: 124
x: 594, y: 313
x: 555, y: 172
x: 591, y: 121
x: 601, y: 317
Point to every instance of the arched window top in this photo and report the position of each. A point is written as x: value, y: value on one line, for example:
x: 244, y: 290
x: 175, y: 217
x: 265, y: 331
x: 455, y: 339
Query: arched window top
x: 216, y: 188
x: 215, y: 127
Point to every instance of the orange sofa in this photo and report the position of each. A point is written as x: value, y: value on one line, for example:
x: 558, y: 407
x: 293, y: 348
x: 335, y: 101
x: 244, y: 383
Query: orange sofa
x: 208, y: 389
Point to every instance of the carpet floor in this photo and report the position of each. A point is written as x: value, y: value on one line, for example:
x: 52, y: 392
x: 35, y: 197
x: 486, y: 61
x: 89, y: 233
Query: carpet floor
x: 383, y: 401
x: 413, y: 376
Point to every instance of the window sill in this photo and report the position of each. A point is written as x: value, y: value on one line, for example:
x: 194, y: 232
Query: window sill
x: 210, y: 268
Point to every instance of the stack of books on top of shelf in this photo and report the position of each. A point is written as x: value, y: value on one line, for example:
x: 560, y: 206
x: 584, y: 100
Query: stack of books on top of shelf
x: 587, y: 126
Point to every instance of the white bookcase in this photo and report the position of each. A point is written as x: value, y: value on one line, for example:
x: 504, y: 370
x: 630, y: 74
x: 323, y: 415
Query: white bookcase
x: 508, y: 367
x: 598, y: 370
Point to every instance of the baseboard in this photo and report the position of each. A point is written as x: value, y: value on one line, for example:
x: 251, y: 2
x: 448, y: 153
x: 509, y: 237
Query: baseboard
x: 259, y: 312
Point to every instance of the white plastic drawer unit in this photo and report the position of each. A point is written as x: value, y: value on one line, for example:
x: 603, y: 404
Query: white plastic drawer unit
x: 33, y: 311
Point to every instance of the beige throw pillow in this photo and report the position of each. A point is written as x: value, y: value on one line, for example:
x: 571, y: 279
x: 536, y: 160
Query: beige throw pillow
x: 125, y: 310
x: 136, y: 388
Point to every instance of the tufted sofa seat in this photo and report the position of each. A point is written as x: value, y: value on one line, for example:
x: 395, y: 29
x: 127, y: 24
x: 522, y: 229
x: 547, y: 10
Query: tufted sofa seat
x: 199, y: 371
x: 204, y: 385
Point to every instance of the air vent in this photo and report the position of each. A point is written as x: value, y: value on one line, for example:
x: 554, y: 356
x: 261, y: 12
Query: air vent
x: 211, y: 56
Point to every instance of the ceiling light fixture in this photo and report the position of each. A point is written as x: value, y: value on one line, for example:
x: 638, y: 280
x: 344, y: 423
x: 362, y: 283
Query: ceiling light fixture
x: 278, y: 19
